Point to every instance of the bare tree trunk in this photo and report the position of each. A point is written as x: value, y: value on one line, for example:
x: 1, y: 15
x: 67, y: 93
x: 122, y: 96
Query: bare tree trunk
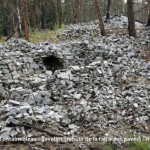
x: 148, y: 19
x: 61, y: 20
x: 33, y: 15
x: 76, y: 11
x: 56, y: 12
x: 19, y: 19
x: 131, y: 21
x: 80, y: 11
x: 101, y: 25
x: 25, y: 20
x: 123, y: 7
x: 43, y: 13
x: 69, y: 13
x: 4, y: 20
x: 13, y: 18
x: 85, y: 12
x: 108, y: 10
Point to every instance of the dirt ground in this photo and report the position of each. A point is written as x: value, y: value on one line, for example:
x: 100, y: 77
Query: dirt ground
x: 53, y: 146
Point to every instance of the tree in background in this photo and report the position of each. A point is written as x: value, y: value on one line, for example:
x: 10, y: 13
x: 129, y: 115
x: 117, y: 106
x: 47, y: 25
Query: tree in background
x: 76, y: 10
x: 108, y: 10
x: 55, y: 9
x: 4, y: 23
x: 148, y: 19
x: 50, y: 14
x: 25, y: 20
x: 123, y: 7
x: 101, y: 25
x: 19, y: 18
x: 131, y: 21
x: 43, y: 13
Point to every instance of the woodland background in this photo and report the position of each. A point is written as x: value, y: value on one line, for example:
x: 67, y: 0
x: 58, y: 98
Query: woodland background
x: 53, y: 14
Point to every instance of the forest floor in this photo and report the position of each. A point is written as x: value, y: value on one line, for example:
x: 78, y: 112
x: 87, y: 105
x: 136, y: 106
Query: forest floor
x: 109, y: 145
x: 36, y: 36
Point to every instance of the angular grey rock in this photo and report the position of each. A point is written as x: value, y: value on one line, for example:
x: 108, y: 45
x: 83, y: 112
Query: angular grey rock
x: 19, y: 116
x: 5, y: 132
x: 100, y: 80
x: 63, y: 75
x: 65, y: 121
x: 77, y: 96
x: 94, y: 118
x: 14, y: 102
x: 75, y: 68
x: 13, y: 133
x: 5, y: 71
x: 49, y: 73
x: 83, y: 102
x: 135, y: 105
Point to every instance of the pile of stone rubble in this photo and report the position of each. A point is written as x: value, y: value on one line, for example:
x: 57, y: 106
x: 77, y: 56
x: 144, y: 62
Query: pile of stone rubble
x: 91, y: 29
x: 98, y: 86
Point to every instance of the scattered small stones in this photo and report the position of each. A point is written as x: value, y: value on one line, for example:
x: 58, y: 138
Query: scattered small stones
x: 95, y: 82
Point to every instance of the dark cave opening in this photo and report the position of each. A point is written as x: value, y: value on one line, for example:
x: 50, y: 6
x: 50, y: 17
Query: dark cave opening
x: 53, y: 63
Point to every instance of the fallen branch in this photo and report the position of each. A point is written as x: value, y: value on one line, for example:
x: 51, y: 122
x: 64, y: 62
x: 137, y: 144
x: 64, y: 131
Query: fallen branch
x: 10, y: 36
x: 114, y: 16
x: 11, y: 124
x: 143, y: 22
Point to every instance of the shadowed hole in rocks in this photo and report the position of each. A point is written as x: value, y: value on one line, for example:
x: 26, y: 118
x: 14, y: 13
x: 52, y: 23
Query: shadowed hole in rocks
x: 53, y: 63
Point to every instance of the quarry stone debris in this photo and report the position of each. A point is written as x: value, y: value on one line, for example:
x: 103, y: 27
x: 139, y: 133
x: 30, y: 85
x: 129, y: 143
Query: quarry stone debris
x: 97, y: 83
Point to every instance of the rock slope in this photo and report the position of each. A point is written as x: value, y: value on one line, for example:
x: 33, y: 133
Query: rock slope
x: 93, y: 87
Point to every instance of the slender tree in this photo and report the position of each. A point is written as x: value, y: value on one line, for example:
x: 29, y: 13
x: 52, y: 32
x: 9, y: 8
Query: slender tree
x: 61, y: 12
x: 131, y: 21
x: 148, y: 19
x: 43, y: 14
x: 13, y: 17
x: 25, y: 20
x: 123, y: 7
x: 76, y: 10
x: 55, y: 9
x: 108, y: 10
x: 4, y: 23
x: 19, y: 18
x: 101, y: 25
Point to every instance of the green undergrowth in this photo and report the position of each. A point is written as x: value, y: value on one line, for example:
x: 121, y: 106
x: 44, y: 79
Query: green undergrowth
x: 38, y: 36
x: 41, y: 36
x: 143, y: 145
